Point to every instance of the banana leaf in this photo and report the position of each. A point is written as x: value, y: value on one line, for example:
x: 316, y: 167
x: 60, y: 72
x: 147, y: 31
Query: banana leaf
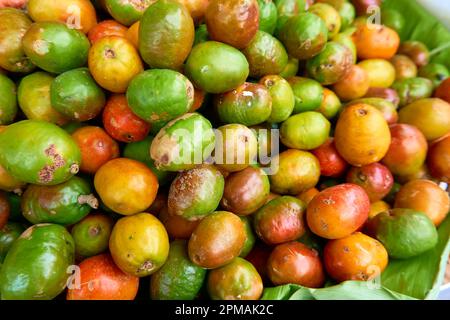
x: 423, y: 26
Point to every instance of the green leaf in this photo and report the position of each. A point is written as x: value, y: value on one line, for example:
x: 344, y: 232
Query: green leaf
x: 422, y: 276
x: 348, y: 290
x: 423, y: 26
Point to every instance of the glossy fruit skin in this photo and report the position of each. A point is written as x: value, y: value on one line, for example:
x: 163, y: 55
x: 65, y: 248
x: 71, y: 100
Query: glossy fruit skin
x: 176, y: 226
x: 298, y: 171
x: 76, y: 14
x: 438, y: 160
x: 216, y: 67
x: 4, y: 209
x: 387, y: 108
x: 101, y: 279
x: 435, y: 72
x: 249, y: 104
x: 250, y: 238
x: 265, y: 55
x: 405, y: 68
x: 181, y: 134
x: 353, y: 85
x: 405, y: 233
x: 331, y: 64
x: 34, y: 99
x: 127, y: 12
x: 376, y: 42
x: 416, y: 51
x: 113, y: 62
x: 121, y: 123
x: 160, y: 95
x: 283, y: 99
x: 305, y: 131
x: 13, y: 57
x: 377, y: 208
x: 217, y: 240
x: 236, y: 147
x: 237, y: 280
x: 96, y: 147
x: 355, y: 257
x: 331, y: 162
x: 330, y: 15
x: 408, y: 150
x: 443, y: 91
x: 413, y: 89
x: 8, y: 234
x: 132, y: 34
x: 106, y: 28
x: 374, y: 178
x: 234, y: 22
x: 76, y: 95
x: 331, y: 105
x: 179, y: 278
x: 197, y: 9
x: 166, y: 35
x: 52, y: 155
x: 381, y: 72
x: 40, y: 258
x: 268, y: 16
x: 8, y: 100
x: 287, y: 9
x: 355, y: 131
x: 64, y: 204
x: 384, y: 93
x: 338, y: 211
x: 345, y: 9
x: 308, y: 94
x: 139, y: 244
x: 393, y: 19
x: 55, y: 48
x: 196, y: 193
x: 424, y: 196
x: 345, y: 38
x: 301, y: 29
x: 138, y: 185
x: 140, y: 151
x: 91, y: 235
x: 280, y: 220
x: 245, y: 191
x: 294, y: 262
x: 431, y: 116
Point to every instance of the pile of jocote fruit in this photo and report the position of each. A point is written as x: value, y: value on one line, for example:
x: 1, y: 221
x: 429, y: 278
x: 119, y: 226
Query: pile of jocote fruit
x: 208, y: 149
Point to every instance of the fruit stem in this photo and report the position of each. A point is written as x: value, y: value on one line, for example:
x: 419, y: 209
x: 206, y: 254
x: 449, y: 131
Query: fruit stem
x: 88, y: 199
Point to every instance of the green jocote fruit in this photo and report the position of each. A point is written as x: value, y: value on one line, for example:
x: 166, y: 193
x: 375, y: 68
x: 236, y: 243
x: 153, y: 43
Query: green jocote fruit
x: 305, y: 131
x: 304, y: 35
x: 413, y: 89
x: 179, y: 278
x: 201, y: 34
x: 308, y: 94
x: 283, y: 99
x: 393, y: 19
x: 216, y: 67
x: 13, y: 25
x: 64, y: 204
x: 265, y: 55
x: 345, y: 39
x: 139, y: 151
x: 34, y: 98
x: 8, y: 234
x: 287, y: 9
x: 39, y: 152
x: 8, y: 100
x: 250, y: 237
x: 54, y: 47
x: 291, y: 68
x: 166, y: 34
x: 330, y: 65
x: 405, y: 233
x: 268, y: 16
x: 183, y: 143
x: 435, y: 72
x: 248, y: 104
x: 160, y: 95
x: 76, y: 95
x: 127, y: 12
x: 36, y: 266
x: 330, y: 15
